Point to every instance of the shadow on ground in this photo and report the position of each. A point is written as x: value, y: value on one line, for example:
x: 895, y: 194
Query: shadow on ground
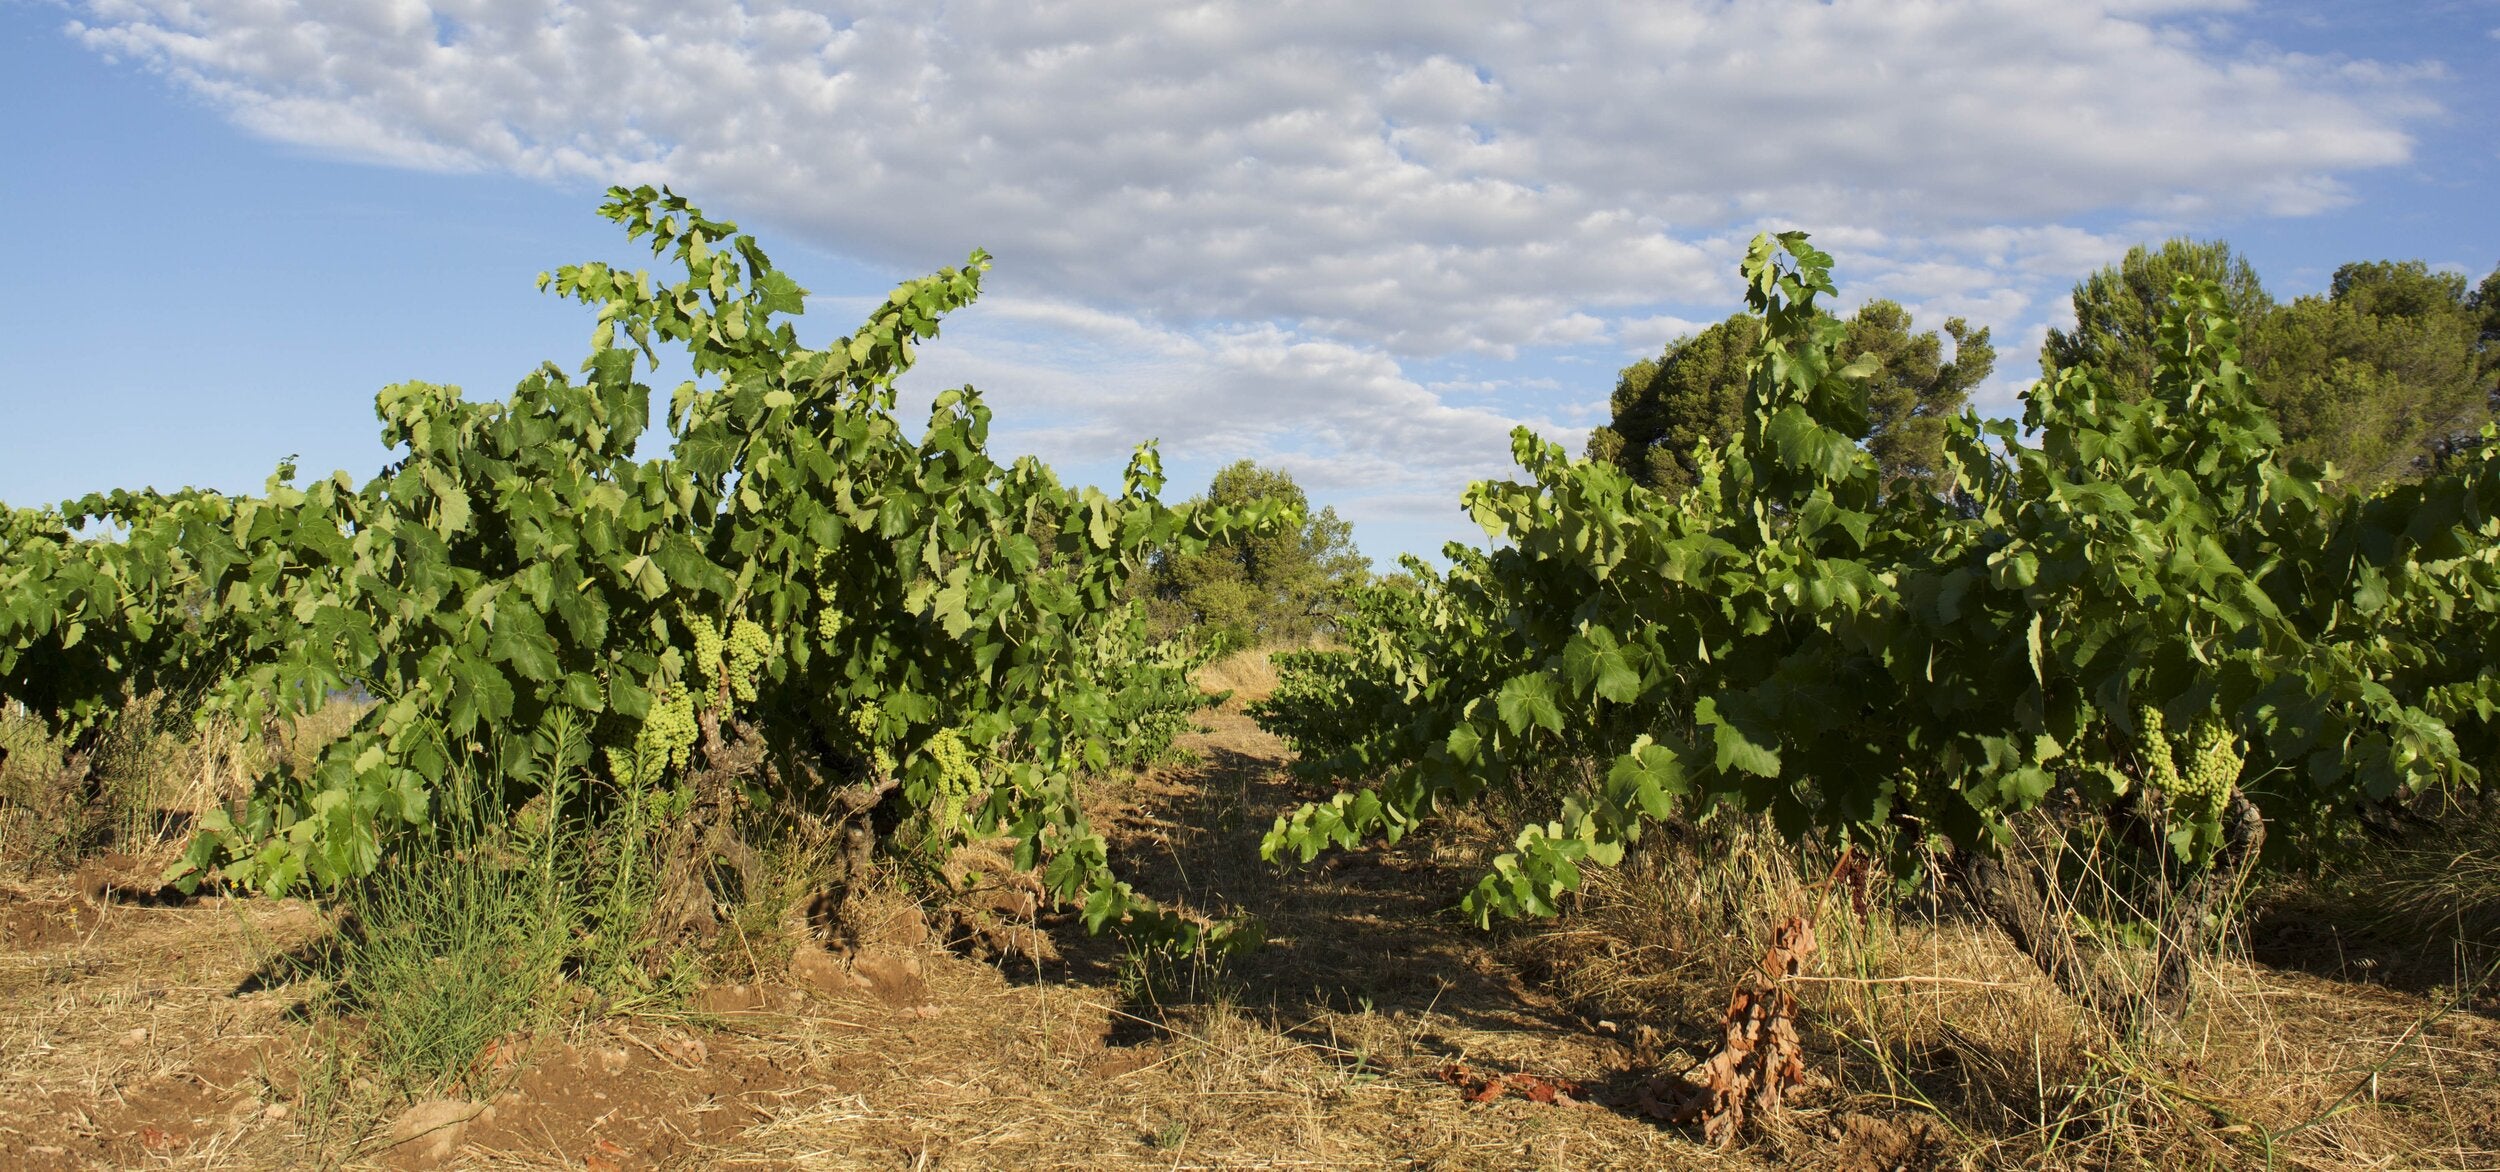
x: 1374, y: 929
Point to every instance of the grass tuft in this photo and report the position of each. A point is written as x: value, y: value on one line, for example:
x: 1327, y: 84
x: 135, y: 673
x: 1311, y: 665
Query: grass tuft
x: 451, y: 948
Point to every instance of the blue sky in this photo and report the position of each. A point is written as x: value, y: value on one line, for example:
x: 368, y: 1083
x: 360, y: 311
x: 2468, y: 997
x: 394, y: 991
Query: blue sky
x: 1361, y: 242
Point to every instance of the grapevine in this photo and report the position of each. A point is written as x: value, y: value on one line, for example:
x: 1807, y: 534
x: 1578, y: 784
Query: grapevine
x: 1909, y: 672
x: 798, y: 559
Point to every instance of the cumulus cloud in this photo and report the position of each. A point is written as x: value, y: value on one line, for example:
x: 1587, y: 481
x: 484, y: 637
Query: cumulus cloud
x: 1649, y: 335
x: 1351, y: 423
x: 1287, y: 200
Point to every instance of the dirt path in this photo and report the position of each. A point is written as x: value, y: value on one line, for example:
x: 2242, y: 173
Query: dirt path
x: 134, y: 1035
x: 145, y: 1036
x: 130, y: 1033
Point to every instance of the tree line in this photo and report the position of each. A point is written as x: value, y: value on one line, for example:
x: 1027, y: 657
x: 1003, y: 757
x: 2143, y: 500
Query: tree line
x: 2385, y: 377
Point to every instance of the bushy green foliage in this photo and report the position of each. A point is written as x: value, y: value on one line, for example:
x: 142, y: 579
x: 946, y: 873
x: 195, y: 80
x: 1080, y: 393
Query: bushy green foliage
x: 2385, y: 375
x: 1313, y: 687
x: 2487, y: 312
x: 1668, y: 409
x: 1905, y: 669
x: 2119, y: 311
x: 1281, y: 585
x: 796, y: 561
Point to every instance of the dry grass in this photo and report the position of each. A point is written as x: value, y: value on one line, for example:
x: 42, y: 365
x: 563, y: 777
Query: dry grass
x: 1939, y: 1043
x: 2444, y: 883
x: 156, y: 772
x: 1014, y: 1076
x: 141, y: 1017
x: 1936, y: 1045
x: 1249, y: 675
x: 1919, y: 1015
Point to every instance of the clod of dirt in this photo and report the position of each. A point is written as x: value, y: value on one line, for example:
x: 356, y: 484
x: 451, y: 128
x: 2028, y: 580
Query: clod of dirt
x: 992, y: 912
x: 430, y: 1132
x: 27, y: 923
x: 1864, y: 1143
x: 685, y: 1049
x: 891, y: 975
x: 121, y: 878
x: 731, y: 1000
x: 815, y: 968
x: 680, y: 1096
x: 900, y: 926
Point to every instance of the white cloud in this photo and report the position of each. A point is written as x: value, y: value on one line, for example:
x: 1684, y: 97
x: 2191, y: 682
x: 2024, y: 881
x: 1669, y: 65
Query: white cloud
x: 1225, y: 209
x: 1346, y: 419
x: 1650, y: 335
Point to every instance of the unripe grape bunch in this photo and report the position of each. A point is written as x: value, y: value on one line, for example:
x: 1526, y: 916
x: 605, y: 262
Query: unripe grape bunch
x: 2214, y: 761
x: 707, y: 650
x: 829, y: 621
x: 664, y: 741
x: 868, y: 723
x: 958, y: 779
x: 733, y: 661
x: 748, y: 646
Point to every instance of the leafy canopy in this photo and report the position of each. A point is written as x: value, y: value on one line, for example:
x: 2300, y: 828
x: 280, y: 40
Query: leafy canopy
x: 1667, y: 409
x: 801, y: 598
x: 2384, y: 376
x: 1902, y: 670
x: 1281, y: 585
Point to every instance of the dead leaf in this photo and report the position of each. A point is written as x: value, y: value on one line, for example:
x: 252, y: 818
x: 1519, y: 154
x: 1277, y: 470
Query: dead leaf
x: 1760, y: 1056
x: 1479, y: 1087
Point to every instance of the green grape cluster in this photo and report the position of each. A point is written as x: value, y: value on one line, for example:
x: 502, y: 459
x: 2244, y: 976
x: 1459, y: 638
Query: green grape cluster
x: 707, y: 652
x: 956, y: 772
x: 958, y: 779
x: 2214, y: 761
x: 748, y: 647
x: 867, y: 722
x: 2161, y: 769
x: 732, y: 661
x: 2213, y: 765
x: 665, y: 740
x: 829, y: 620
